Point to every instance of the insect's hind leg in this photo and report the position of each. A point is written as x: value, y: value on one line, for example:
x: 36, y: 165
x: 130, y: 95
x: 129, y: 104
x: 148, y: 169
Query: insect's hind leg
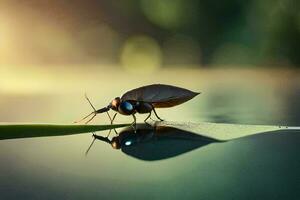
x: 157, y: 115
x: 149, y: 116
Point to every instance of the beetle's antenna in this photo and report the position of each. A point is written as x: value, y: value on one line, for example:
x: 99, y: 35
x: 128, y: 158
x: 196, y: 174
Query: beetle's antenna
x: 91, y: 118
x: 87, y: 117
x: 90, y: 102
x: 87, y: 151
x: 92, y: 113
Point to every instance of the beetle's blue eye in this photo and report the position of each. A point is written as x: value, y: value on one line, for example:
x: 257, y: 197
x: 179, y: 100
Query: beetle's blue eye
x: 126, y: 107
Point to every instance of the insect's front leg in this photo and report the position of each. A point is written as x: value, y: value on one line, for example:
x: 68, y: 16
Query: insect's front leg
x: 108, y: 116
x: 111, y: 122
x: 113, y: 118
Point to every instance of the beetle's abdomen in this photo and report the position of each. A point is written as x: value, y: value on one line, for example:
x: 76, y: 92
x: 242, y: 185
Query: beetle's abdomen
x: 173, y: 102
x: 143, y: 107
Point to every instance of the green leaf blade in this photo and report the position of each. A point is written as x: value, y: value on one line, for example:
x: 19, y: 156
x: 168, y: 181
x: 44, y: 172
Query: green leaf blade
x: 12, y: 131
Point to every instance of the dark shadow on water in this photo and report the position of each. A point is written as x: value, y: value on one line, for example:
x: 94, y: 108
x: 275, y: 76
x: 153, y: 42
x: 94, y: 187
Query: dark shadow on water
x: 156, y: 142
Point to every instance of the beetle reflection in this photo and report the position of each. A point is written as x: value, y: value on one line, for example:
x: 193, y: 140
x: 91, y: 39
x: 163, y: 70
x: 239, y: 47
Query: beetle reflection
x: 151, y: 143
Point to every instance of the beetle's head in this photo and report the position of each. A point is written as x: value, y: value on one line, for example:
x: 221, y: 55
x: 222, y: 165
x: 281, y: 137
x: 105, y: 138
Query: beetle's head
x: 114, y: 104
x: 115, y: 143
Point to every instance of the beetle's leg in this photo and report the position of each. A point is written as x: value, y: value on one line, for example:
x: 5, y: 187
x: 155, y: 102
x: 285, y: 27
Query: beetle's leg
x: 111, y: 122
x: 157, y: 115
x: 116, y: 132
x: 110, y: 132
x: 108, y: 116
x: 134, y: 123
x: 114, y: 118
x: 134, y: 120
x: 149, y: 116
x: 111, y: 119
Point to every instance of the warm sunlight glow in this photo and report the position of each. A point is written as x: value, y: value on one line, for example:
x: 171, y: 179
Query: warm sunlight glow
x: 5, y: 38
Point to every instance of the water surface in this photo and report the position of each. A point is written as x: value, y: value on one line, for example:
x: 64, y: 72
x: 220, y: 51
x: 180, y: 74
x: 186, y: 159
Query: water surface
x: 264, y: 166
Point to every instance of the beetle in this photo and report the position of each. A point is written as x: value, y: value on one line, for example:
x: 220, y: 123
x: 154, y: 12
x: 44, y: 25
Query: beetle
x: 144, y: 100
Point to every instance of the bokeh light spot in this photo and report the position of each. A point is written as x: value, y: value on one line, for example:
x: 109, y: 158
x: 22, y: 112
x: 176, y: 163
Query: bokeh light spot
x: 168, y: 14
x: 141, y: 54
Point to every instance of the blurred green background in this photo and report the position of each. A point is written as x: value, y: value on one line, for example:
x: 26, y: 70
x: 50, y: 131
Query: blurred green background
x: 151, y: 34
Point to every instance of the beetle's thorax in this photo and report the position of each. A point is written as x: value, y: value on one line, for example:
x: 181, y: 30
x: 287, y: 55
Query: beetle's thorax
x: 143, y: 107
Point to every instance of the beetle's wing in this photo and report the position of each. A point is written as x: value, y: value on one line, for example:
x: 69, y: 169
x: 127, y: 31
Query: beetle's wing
x: 160, y: 95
